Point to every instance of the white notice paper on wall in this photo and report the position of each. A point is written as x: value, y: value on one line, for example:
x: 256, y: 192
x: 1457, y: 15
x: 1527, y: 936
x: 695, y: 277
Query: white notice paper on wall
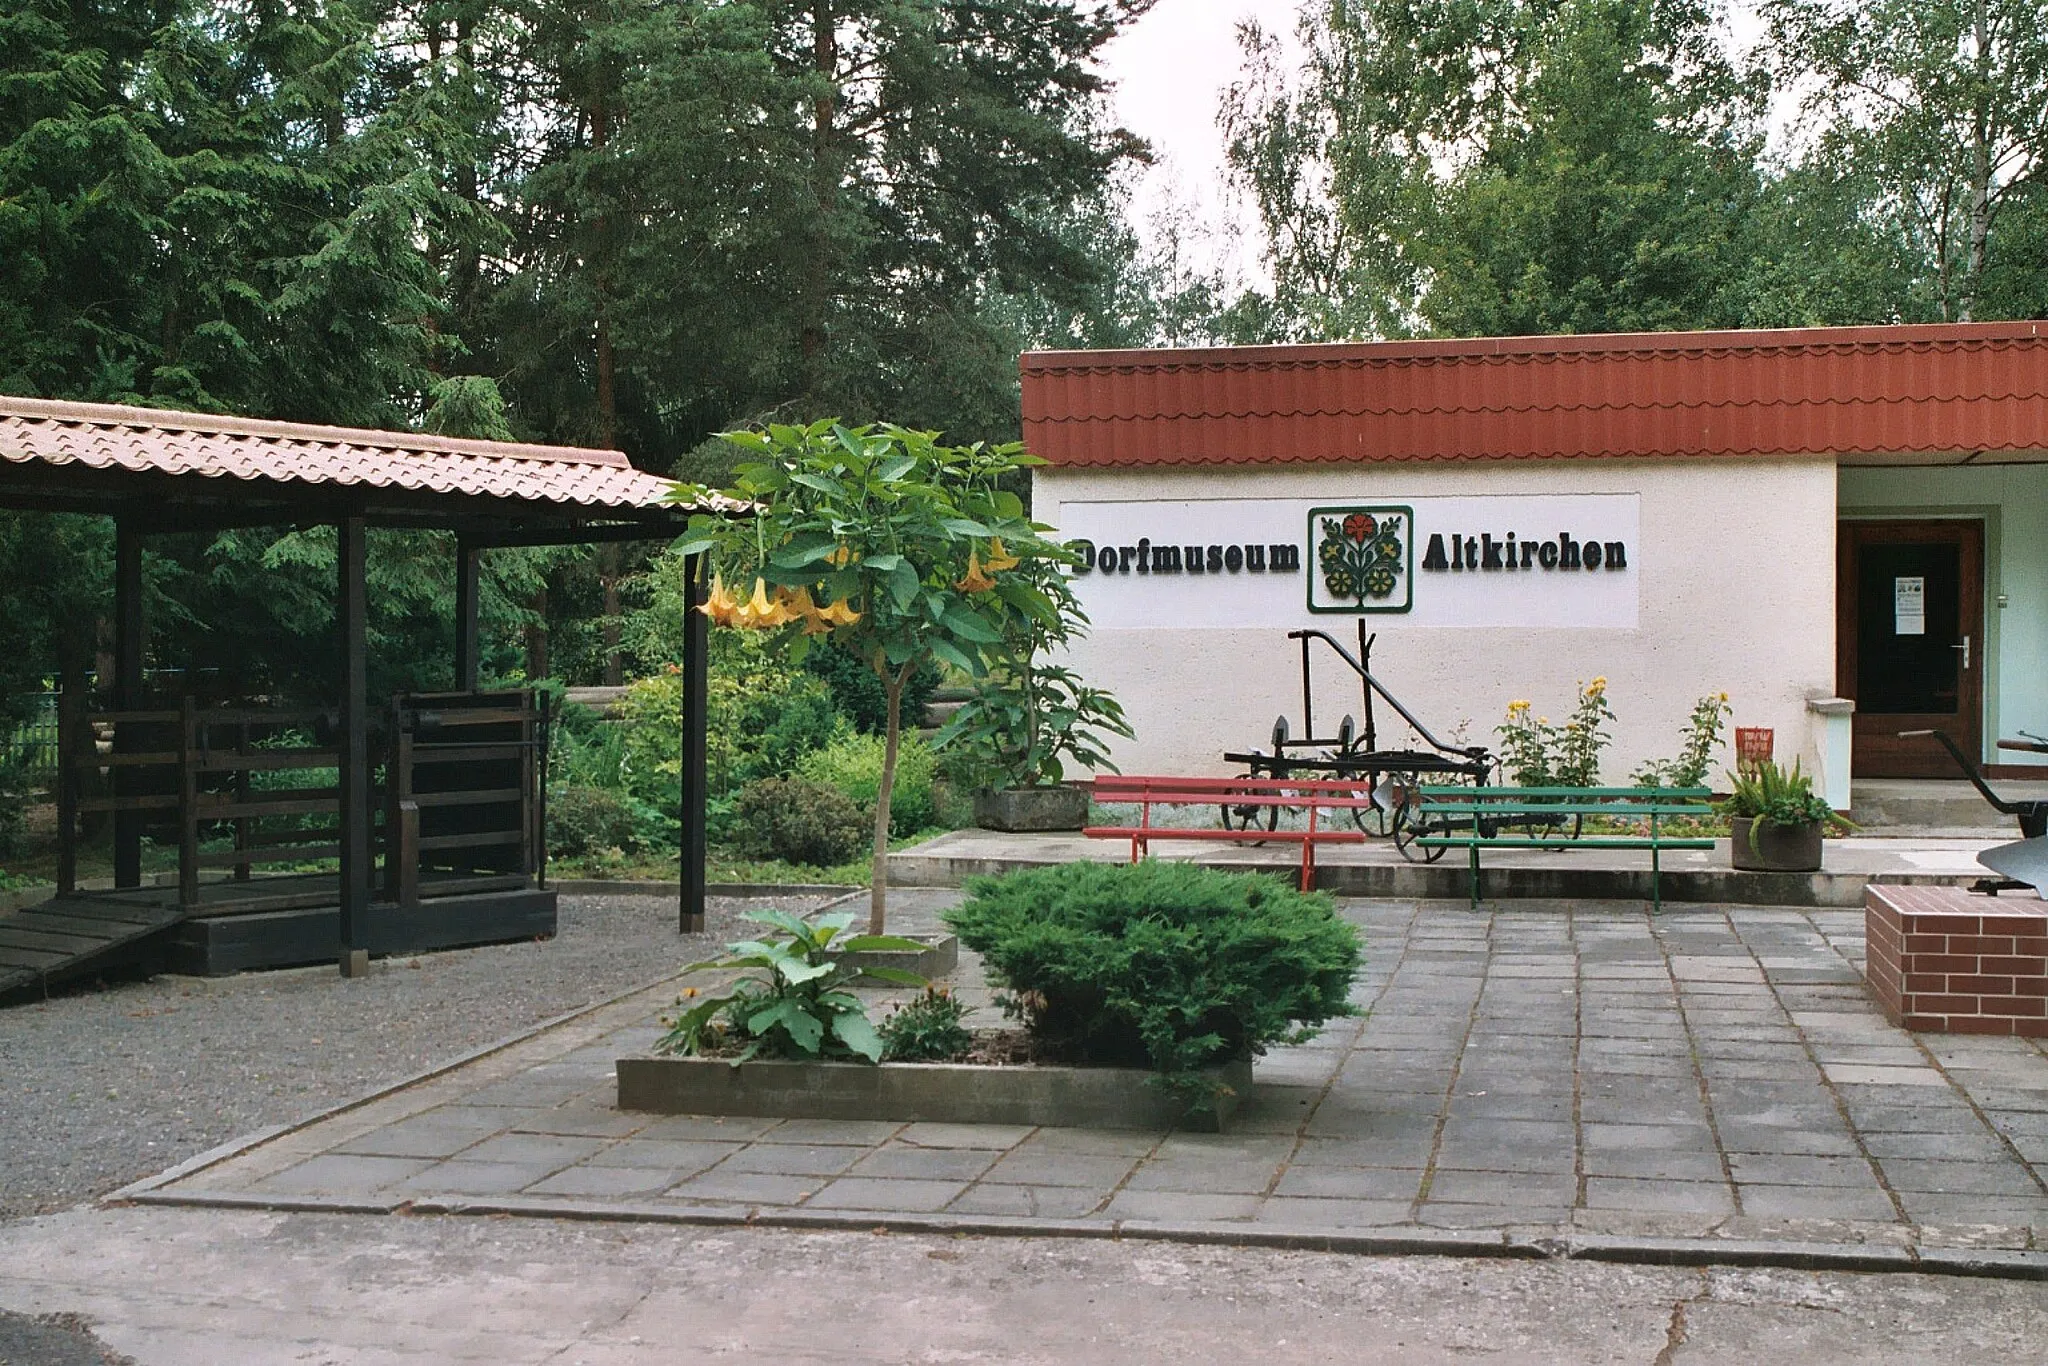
x: 1909, y: 606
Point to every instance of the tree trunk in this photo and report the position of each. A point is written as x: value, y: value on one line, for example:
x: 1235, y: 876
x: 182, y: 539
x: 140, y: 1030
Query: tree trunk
x: 878, y: 884
x: 1980, y: 169
x: 608, y: 576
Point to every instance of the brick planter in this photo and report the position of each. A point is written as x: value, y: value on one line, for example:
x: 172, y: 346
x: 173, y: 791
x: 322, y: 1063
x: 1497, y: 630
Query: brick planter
x: 1943, y: 960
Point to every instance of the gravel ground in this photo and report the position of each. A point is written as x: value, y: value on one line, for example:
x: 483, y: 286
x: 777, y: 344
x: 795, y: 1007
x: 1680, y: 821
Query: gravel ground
x: 102, y: 1087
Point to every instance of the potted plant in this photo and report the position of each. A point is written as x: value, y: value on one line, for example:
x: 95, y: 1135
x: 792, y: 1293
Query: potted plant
x: 1027, y: 719
x: 1776, y: 819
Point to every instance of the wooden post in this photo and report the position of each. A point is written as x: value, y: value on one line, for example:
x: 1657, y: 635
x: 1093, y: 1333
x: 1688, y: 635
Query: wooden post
x: 129, y: 646
x: 188, y: 804
x: 468, y: 668
x: 351, y: 618
x: 71, y: 719
x: 696, y: 717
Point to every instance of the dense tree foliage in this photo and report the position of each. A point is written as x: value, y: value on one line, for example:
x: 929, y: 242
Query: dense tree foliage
x: 623, y: 222
x: 1465, y: 167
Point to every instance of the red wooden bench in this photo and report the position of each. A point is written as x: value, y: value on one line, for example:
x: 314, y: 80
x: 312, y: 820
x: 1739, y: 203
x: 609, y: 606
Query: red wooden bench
x: 1294, y: 794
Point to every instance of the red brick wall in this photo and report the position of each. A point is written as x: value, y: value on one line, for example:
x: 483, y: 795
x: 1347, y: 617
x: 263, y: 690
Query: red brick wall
x: 1944, y: 960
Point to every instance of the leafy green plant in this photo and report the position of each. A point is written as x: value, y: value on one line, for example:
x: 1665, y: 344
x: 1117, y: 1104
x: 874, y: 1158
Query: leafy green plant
x: 583, y: 820
x: 1696, y: 755
x: 1163, y: 965
x: 927, y: 1029
x: 1535, y: 753
x: 797, y: 820
x: 854, y: 763
x: 795, y: 1003
x: 1767, y: 794
x: 1026, y: 718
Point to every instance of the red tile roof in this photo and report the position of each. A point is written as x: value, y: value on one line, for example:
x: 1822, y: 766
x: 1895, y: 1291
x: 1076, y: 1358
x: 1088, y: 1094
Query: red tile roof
x: 1951, y: 388
x: 156, y: 441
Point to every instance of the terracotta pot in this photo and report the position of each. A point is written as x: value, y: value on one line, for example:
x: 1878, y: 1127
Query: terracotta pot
x: 1776, y: 848
x: 1026, y: 809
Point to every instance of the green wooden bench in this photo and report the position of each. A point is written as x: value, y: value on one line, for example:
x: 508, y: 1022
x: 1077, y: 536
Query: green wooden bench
x: 1475, y: 818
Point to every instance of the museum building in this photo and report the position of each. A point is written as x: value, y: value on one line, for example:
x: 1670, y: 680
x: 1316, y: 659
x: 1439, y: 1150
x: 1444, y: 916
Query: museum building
x: 1804, y: 519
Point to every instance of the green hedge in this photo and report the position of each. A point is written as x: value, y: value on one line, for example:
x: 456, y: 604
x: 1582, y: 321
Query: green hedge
x: 1160, y: 964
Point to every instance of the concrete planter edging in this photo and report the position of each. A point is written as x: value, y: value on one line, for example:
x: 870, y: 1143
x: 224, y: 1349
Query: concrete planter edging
x: 932, y: 1092
x: 939, y: 958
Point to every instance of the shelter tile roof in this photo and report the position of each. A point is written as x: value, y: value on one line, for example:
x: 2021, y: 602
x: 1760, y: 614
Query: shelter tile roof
x: 1950, y: 388
x: 156, y: 441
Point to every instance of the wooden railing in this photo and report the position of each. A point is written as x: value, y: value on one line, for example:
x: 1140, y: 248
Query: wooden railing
x: 459, y: 804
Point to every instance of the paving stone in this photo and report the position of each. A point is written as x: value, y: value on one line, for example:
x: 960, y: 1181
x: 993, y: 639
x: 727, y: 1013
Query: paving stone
x: 1503, y: 1188
x: 527, y: 1092
x: 789, y: 1159
x: 745, y: 1188
x: 1132, y: 1143
x: 1737, y: 1137
x: 931, y: 1164
x: 459, y: 1177
x: 884, y: 1193
x: 1864, y: 1074
x: 1030, y: 1166
x: 1308, y: 1212
x: 1451, y: 1214
x: 546, y: 1150
x: 1352, y: 1183
x: 1182, y: 1207
x: 1801, y: 1169
x: 1929, y: 1207
x: 680, y: 1156
x: 606, y: 1182
x: 436, y: 1133
x: 586, y: 1120
x: 1029, y: 1202
x: 852, y: 1133
x: 1816, y: 1202
x: 720, y: 1128
x: 1658, y: 1137
x: 1950, y: 1147
x: 1649, y: 1163
x: 1659, y: 1196
x: 1959, y: 1178
x: 338, y: 1174
x: 1227, y: 1177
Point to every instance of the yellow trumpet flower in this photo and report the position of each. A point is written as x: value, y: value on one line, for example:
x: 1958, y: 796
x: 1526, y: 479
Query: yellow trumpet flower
x: 841, y: 557
x: 998, y: 558
x: 840, y: 613
x: 801, y: 606
x: 975, y: 580
x: 759, y: 613
x: 719, y: 604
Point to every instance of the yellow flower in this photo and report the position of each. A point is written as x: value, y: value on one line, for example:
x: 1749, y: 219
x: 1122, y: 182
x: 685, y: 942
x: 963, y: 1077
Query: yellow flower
x: 1518, y: 708
x: 841, y: 557
x: 719, y: 604
x: 1723, y: 696
x: 975, y: 581
x: 802, y: 607
x: 1596, y: 687
x: 999, y: 559
x: 759, y: 613
x: 840, y: 613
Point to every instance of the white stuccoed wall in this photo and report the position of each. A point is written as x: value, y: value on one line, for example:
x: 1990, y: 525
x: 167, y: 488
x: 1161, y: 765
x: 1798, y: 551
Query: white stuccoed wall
x: 1736, y: 590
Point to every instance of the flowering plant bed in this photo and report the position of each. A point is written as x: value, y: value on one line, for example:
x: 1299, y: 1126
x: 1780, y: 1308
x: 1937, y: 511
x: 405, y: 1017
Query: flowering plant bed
x: 991, y: 1092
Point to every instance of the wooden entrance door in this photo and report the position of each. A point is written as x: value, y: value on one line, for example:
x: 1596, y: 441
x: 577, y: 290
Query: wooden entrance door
x: 1909, y: 641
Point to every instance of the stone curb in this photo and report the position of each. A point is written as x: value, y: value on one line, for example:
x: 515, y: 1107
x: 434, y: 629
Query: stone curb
x: 1999, y: 1264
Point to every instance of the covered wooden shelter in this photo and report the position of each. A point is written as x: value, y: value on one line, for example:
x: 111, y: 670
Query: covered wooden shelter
x: 438, y: 801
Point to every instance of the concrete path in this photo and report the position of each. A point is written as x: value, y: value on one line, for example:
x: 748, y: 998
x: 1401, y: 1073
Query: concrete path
x: 1377, y: 869
x: 253, y: 1288
x: 1570, y: 1074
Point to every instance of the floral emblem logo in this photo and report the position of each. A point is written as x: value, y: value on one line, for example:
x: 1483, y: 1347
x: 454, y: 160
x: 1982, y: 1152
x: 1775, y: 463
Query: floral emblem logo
x: 1362, y: 555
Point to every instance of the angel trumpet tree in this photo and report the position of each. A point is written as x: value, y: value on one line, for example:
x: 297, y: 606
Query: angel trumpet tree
x: 885, y: 543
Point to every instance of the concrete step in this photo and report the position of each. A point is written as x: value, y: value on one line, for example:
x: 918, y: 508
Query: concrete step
x: 1928, y: 805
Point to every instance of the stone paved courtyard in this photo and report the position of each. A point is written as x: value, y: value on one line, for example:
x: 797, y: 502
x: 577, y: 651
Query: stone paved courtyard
x: 1586, y: 1068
